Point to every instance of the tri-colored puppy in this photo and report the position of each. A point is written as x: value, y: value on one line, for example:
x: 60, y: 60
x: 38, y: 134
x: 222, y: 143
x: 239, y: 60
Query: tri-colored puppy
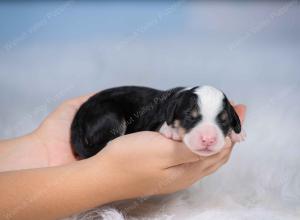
x: 201, y: 117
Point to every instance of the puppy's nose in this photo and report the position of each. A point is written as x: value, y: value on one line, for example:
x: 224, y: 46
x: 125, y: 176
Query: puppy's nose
x: 208, y: 140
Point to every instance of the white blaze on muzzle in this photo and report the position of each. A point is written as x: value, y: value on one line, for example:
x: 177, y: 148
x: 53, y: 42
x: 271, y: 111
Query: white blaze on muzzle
x: 205, y: 139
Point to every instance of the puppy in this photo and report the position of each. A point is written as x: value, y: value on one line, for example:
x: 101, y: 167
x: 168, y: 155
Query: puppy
x: 201, y: 117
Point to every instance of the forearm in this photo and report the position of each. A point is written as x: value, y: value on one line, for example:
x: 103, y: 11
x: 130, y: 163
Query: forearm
x: 22, y: 153
x: 53, y: 193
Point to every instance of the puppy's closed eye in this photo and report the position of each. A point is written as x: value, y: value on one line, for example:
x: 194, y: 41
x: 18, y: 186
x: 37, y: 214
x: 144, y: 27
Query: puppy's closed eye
x: 194, y: 113
x: 223, y: 117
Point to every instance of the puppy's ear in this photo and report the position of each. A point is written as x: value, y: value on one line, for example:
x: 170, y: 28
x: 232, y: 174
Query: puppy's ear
x: 170, y: 112
x: 234, y: 119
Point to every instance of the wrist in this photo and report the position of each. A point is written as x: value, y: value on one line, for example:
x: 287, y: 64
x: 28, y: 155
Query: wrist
x: 21, y: 153
x: 110, y: 183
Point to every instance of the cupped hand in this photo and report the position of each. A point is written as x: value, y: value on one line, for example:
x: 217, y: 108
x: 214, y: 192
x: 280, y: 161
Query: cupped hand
x: 146, y: 163
x: 54, y: 132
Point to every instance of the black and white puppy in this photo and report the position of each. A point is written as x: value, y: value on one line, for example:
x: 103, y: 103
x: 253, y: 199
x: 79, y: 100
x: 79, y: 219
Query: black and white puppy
x: 201, y: 117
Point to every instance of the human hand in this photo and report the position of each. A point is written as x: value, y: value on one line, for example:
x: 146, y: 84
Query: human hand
x: 146, y: 163
x: 48, y: 145
x: 54, y: 132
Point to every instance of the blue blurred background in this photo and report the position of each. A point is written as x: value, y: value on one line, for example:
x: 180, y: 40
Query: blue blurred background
x: 54, y: 50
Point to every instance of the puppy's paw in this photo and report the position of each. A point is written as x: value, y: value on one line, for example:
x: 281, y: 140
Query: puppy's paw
x: 166, y: 131
x: 237, y: 137
x: 175, y: 135
x: 169, y: 132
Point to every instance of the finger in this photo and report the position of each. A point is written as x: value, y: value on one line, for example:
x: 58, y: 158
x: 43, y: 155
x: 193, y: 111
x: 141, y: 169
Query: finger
x: 197, y: 170
x: 241, y: 111
x: 232, y: 102
x: 178, y: 153
x: 80, y: 100
x: 228, y: 143
x: 169, y: 151
x: 68, y: 108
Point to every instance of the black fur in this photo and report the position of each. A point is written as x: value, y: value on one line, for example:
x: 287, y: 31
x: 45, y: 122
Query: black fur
x: 181, y: 107
x: 112, y: 112
x: 231, y: 121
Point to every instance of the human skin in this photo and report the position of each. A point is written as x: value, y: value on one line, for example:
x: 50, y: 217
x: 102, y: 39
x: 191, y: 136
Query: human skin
x: 53, y: 185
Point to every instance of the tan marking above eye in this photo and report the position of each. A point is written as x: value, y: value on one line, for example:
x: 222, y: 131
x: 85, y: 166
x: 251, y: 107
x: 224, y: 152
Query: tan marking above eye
x: 224, y: 116
x: 195, y: 114
x: 181, y: 132
x: 176, y: 123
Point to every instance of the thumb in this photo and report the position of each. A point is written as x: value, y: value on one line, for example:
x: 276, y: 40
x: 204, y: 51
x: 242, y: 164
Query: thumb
x: 241, y: 111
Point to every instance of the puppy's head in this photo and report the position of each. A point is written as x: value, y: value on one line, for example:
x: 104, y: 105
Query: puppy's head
x: 203, y: 117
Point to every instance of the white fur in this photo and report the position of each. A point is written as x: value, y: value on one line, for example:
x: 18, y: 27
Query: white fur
x: 210, y: 102
x: 210, y: 99
x: 169, y: 132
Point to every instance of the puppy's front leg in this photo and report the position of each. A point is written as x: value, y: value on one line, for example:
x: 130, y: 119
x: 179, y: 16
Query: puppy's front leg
x: 170, y: 132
